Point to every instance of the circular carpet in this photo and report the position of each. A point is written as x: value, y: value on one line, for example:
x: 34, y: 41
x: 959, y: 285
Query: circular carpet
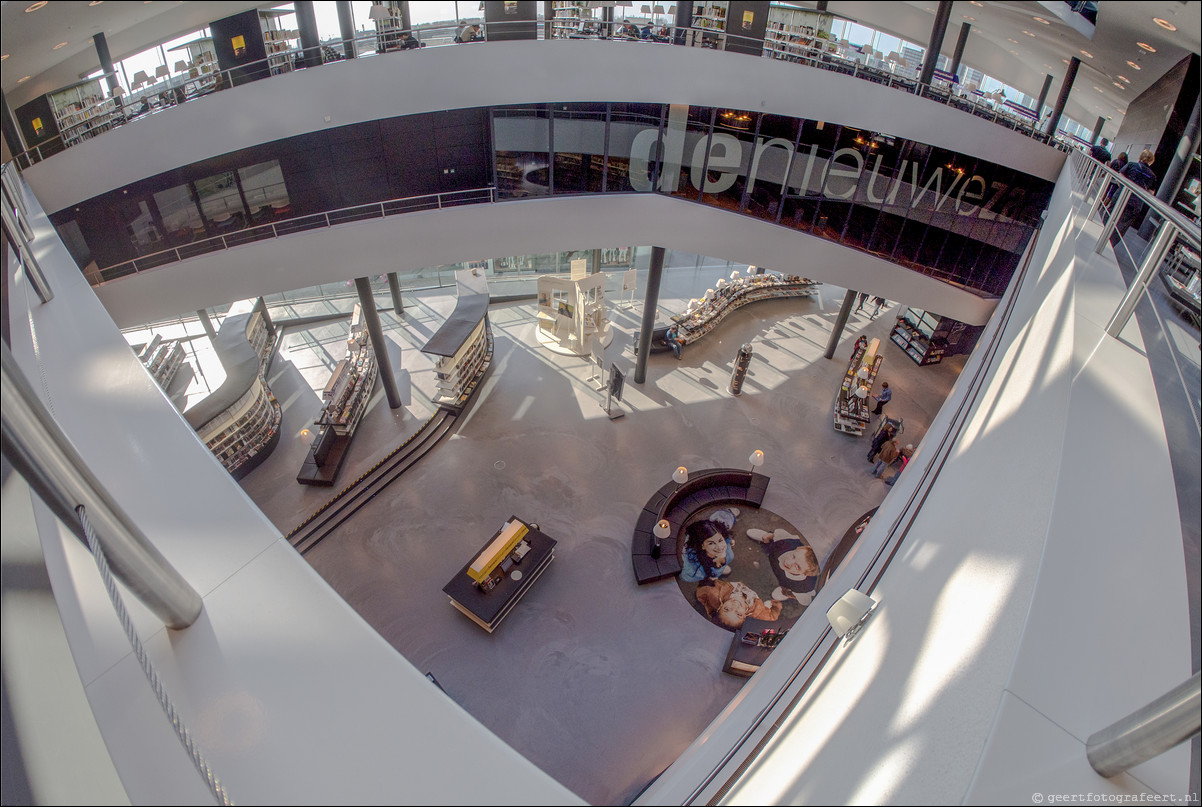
x: 755, y: 564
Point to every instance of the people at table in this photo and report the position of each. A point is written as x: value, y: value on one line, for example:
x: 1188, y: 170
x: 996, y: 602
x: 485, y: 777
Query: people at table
x: 628, y: 30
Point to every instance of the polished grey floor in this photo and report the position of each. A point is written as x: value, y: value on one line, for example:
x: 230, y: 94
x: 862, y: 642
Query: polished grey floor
x: 598, y: 681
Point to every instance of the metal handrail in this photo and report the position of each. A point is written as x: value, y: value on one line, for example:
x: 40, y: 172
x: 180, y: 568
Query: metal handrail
x: 289, y: 226
x: 50, y: 464
x: 287, y: 61
x: 1147, y: 732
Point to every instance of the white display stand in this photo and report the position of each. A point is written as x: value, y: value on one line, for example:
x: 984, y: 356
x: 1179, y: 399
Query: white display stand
x: 571, y: 314
x: 630, y: 283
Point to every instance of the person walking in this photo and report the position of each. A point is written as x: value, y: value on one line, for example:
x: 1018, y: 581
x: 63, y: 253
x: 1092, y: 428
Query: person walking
x: 906, y: 453
x: 1099, y: 151
x: 889, y: 453
x: 1140, y: 172
x: 878, y: 302
x: 885, y: 397
x: 887, y: 432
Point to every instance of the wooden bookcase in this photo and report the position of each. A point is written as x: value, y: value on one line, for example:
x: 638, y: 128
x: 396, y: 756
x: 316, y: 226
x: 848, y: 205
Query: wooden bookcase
x: 81, y: 111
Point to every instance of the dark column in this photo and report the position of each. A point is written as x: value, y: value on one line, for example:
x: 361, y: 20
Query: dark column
x: 206, y: 323
x: 106, y: 61
x: 406, y: 17
x: 1043, y: 95
x: 965, y: 29
x: 607, y: 20
x: 849, y: 300
x: 655, y: 273
x: 684, y: 21
x: 1097, y: 129
x: 1066, y: 87
x: 820, y: 6
x: 596, y: 267
x: 938, y: 29
x: 548, y: 15
x: 378, y: 343
x: 8, y: 124
x: 1174, y: 174
x: 306, y: 23
x: 346, y: 27
x: 394, y: 287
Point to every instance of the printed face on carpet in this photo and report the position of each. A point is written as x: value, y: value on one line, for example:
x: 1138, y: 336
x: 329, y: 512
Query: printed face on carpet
x: 746, y: 562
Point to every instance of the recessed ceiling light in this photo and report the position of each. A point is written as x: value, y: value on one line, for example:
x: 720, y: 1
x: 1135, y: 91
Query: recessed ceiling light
x: 1014, y: 53
x: 1123, y: 78
x: 1134, y: 66
x: 1064, y: 60
x: 1042, y: 20
x: 970, y: 19
x: 1120, y: 86
x: 95, y: 2
x: 1015, y: 41
x: 975, y: 3
x: 1146, y: 47
x: 1099, y: 89
x: 1028, y: 33
x: 22, y: 78
x: 1087, y: 54
x: 59, y: 45
x: 3, y: 57
x: 1165, y: 24
x: 36, y: 6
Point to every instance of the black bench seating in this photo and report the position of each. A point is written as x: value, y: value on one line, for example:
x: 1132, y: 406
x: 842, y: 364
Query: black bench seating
x: 677, y: 504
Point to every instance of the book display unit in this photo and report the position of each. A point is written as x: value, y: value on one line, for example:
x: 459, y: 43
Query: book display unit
x: 704, y: 314
x: 922, y: 335
x: 492, y: 583
x: 571, y: 312
x: 456, y: 376
x: 852, y: 402
x: 463, y: 344
x: 345, y: 400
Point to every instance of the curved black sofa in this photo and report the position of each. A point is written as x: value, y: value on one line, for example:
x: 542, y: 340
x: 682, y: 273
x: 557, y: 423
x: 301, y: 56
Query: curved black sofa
x: 677, y: 504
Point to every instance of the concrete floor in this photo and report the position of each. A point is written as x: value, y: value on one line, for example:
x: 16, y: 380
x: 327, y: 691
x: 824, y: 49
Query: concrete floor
x: 596, y: 680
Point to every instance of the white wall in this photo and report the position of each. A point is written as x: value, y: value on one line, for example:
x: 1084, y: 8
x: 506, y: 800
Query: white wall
x: 432, y: 79
x: 411, y: 241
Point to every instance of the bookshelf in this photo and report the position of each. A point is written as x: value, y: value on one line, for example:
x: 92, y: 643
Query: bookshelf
x: 709, y: 24
x: 922, y: 335
x: 162, y: 359
x: 278, y: 41
x: 349, y: 389
x: 81, y: 111
x: 569, y: 18
x: 796, y: 34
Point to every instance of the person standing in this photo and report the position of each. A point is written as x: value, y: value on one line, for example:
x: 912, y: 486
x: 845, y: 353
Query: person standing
x: 1099, y: 151
x: 885, y: 397
x: 860, y: 344
x: 1140, y: 172
x: 887, y: 432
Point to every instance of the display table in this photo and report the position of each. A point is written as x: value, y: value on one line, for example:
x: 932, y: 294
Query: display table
x: 851, y: 411
x: 752, y: 644
x: 506, y: 568
x: 704, y: 314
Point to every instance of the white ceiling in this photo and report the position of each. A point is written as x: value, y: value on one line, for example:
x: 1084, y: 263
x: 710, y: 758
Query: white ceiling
x: 997, y: 44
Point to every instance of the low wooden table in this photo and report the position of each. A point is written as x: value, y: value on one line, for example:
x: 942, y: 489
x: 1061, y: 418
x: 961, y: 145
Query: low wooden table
x: 511, y: 580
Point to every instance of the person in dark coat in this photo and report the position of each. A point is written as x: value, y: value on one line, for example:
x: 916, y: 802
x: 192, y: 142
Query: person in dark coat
x: 887, y: 433
x: 1141, y: 173
x: 1099, y: 151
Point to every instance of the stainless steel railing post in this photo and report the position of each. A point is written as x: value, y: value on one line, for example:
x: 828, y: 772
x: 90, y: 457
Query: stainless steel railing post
x: 1152, y: 259
x: 48, y: 461
x: 1147, y: 732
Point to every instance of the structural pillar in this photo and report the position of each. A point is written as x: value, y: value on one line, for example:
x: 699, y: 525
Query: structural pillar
x: 1174, y: 174
x: 12, y: 132
x: 684, y: 21
x: 820, y: 6
x: 938, y: 29
x: 1097, y: 129
x: 1066, y: 87
x: 596, y: 267
x: 849, y: 300
x: 406, y: 17
x: 206, y: 323
x: 655, y: 273
x: 394, y: 287
x: 106, y: 61
x: 306, y: 23
x: 965, y: 29
x: 1043, y: 95
x: 346, y: 28
x: 379, y: 344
